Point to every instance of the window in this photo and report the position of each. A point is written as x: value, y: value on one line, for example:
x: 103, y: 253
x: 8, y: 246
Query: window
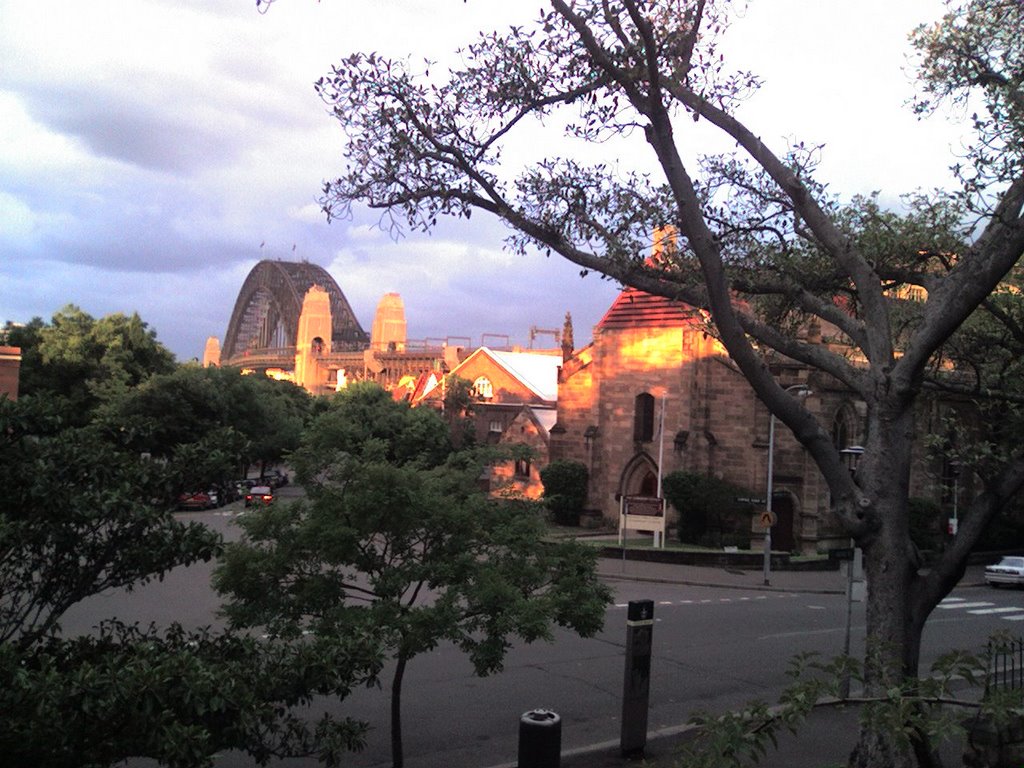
x: 482, y: 388
x: 840, y: 431
x: 643, y: 418
x: 522, y: 467
x: 495, y: 426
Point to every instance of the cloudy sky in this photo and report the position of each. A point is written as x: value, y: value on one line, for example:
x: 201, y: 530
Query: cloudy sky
x: 152, y: 151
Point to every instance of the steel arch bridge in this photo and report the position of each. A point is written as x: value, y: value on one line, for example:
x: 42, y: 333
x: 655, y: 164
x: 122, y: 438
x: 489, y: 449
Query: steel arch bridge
x: 265, y: 321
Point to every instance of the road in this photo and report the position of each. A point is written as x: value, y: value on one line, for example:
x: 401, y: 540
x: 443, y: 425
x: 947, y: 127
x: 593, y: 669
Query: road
x: 714, y: 649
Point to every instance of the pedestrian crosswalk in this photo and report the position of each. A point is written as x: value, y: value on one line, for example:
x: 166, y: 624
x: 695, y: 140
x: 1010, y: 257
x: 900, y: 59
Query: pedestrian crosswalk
x: 983, y: 608
x: 723, y: 600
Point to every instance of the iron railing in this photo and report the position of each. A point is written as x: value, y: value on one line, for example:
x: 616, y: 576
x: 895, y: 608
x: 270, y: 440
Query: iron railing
x: 1005, y: 664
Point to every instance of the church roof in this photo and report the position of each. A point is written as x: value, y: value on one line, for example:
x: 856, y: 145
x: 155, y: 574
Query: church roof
x: 633, y: 308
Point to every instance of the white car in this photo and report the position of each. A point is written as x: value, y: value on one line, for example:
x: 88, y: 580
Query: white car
x: 1009, y: 570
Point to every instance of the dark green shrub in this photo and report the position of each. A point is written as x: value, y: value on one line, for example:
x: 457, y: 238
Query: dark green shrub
x: 710, y: 513
x: 565, y: 490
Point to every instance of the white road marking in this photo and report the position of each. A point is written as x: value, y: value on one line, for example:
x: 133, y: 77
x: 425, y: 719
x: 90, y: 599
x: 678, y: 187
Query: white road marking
x: 966, y: 605
x: 986, y: 611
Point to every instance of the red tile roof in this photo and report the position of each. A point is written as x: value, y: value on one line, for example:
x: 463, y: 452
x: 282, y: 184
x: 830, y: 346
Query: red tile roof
x: 635, y: 309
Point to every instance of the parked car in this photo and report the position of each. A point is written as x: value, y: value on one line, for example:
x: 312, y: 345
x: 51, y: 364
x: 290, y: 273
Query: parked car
x: 259, y: 494
x: 275, y: 478
x: 1009, y: 570
x: 197, y: 500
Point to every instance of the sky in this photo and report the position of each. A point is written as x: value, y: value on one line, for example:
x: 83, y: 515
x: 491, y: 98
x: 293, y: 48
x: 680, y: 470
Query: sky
x: 152, y: 152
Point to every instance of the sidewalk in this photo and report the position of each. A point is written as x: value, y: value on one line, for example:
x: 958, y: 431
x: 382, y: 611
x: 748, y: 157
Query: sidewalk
x: 824, y: 740
x: 822, y: 582
x: 727, y: 577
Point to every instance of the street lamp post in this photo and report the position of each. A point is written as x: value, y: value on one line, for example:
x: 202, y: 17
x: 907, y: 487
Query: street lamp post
x: 851, y: 455
x: 803, y: 391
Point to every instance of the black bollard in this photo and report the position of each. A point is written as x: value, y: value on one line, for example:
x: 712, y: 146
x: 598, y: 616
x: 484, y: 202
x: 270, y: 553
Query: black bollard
x: 540, y: 739
x: 636, y: 687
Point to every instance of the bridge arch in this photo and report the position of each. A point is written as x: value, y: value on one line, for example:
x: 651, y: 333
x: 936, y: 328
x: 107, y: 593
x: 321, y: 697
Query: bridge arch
x: 267, y: 310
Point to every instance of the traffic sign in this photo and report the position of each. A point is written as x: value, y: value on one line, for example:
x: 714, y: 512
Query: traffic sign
x: 768, y: 519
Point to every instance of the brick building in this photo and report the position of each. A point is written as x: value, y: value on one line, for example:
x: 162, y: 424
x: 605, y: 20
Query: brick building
x: 10, y: 371
x: 514, y: 402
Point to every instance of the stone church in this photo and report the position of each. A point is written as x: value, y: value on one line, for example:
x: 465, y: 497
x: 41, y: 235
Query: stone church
x: 654, y: 393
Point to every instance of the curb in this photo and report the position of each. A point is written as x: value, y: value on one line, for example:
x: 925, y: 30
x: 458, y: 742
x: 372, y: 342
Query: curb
x: 718, y: 585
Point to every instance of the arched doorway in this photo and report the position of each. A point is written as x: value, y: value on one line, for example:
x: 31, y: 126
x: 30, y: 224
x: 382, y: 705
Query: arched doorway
x: 639, y: 477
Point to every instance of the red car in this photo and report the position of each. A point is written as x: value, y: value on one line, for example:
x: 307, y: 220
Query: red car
x: 196, y: 500
x: 259, y: 494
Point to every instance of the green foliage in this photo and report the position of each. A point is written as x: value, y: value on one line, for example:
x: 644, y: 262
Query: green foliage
x: 364, y: 421
x: 85, y: 511
x: 709, y: 513
x: 85, y: 362
x: 177, y: 697
x: 565, y: 490
x: 237, y: 420
x: 932, y: 706
x: 398, y: 544
x: 76, y: 520
x: 458, y: 411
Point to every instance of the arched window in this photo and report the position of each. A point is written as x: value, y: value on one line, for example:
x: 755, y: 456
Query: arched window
x: 844, y: 427
x: 840, y: 431
x: 482, y: 388
x: 643, y: 418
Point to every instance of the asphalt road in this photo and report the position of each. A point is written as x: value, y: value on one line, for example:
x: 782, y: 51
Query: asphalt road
x: 713, y: 649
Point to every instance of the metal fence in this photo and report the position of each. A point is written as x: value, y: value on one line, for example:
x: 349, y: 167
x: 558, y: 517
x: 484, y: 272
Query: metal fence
x: 1005, y: 664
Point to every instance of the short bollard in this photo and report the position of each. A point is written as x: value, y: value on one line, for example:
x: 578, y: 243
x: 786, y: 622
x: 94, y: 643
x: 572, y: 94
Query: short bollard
x: 636, y: 687
x: 540, y: 739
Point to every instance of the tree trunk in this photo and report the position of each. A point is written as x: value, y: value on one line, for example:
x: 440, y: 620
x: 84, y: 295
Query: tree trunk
x: 397, y: 757
x: 893, y: 630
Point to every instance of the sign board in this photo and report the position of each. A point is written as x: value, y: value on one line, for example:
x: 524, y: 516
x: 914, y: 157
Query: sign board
x: 952, y: 526
x: 645, y: 505
x: 642, y: 513
x: 768, y: 519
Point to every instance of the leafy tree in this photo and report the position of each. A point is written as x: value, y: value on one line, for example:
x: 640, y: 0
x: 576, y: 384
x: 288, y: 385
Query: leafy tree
x: 565, y: 490
x: 364, y: 416
x: 761, y: 245
x: 87, y: 361
x: 177, y: 697
x: 397, y: 543
x: 229, y: 420
x: 75, y: 520
x: 458, y: 410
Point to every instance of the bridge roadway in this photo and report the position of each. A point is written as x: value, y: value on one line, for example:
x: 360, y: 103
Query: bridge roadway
x: 384, y: 367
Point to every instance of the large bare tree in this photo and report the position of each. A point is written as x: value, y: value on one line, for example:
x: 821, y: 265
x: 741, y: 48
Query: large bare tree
x: 762, y: 246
